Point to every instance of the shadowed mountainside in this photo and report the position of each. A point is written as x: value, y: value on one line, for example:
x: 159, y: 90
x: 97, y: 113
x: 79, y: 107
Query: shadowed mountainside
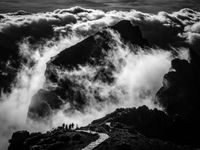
x: 91, y: 51
x: 59, y: 139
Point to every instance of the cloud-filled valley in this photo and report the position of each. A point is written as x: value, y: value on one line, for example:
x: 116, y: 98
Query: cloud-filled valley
x: 134, y: 73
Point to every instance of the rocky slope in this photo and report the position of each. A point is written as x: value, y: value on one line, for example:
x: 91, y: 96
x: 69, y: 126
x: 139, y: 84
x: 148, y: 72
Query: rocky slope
x: 179, y: 96
x: 128, y: 129
x: 152, y: 124
x: 59, y: 139
x: 131, y: 128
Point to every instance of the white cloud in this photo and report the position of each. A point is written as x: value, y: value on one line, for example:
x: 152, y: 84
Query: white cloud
x: 160, y: 29
x: 141, y: 73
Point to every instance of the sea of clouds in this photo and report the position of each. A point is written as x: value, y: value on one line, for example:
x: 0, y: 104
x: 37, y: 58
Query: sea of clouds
x: 138, y: 75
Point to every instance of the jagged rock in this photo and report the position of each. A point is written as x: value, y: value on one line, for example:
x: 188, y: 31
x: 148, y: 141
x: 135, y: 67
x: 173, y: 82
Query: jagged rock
x: 180, y: 89
x: 179, y: 96
x: 179, y: 93
x: 89, y: 51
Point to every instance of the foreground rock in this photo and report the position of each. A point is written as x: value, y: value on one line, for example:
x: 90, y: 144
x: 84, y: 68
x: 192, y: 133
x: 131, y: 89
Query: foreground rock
x: 91, y: 51
x: 151, y: 124
x: 122, y: 139
x: 179, y: 96
x: 127, y: 129
x: 57, y: 139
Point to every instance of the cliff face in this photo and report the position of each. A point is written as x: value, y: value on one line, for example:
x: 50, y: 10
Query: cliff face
x: 91, y: 51
x: 179, y: 97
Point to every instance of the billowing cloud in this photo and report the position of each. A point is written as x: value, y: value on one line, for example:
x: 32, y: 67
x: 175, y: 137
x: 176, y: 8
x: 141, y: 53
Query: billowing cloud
x: 36, y: 25
x: 161, y: 29
x: 141, y: 73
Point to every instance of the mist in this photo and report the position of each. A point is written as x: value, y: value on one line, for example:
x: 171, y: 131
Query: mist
x: 138, y: 71
x: 14, y: 106
x: 138, y: 76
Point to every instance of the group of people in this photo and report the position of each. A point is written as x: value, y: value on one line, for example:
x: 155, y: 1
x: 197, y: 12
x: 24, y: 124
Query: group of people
x: 71, y: 126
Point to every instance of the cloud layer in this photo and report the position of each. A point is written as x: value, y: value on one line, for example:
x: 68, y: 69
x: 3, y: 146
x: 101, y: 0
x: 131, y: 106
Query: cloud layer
x: 161, y: 29
x: 41, y: 36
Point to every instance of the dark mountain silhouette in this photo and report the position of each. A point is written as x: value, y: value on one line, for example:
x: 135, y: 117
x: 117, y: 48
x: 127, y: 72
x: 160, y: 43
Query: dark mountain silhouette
x: 128, y: 129
x: 180, y: 97
x: 153, y: 124
x: 133, y: 128
x: 89, y: 51
x: 60, y: 138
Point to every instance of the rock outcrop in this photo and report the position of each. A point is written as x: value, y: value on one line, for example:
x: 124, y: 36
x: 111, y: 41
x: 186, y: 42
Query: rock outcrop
x: 152, y: 124
x: 179, y: 96
x: 57, y: 139
x: 89, y: 51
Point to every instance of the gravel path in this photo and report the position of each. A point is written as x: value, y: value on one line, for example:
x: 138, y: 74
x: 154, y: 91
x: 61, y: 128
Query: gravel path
x: 102, y: 138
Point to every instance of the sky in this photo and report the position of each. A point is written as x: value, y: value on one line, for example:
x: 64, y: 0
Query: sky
x: 150, y: 6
